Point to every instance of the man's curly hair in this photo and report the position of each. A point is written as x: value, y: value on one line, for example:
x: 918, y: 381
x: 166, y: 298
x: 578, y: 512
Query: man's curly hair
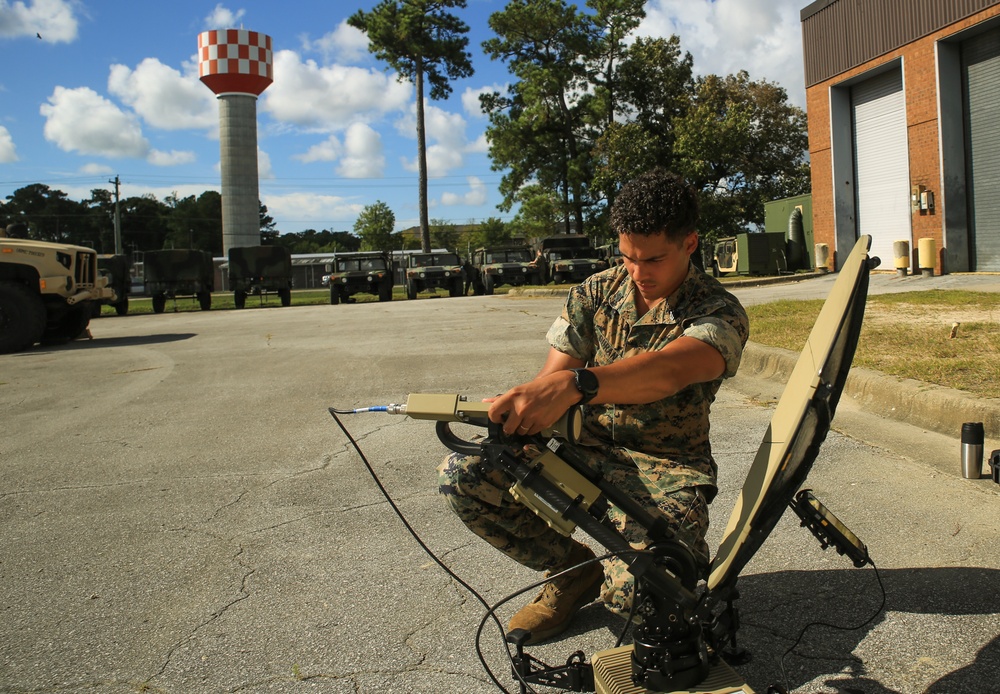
x: 656, y: 202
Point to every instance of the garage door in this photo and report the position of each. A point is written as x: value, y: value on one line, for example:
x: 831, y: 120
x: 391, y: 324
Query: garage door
x: 981, y: 82
x: 881, y: 167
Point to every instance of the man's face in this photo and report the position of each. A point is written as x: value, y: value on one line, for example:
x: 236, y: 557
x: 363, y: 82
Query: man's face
x: 656, y: 265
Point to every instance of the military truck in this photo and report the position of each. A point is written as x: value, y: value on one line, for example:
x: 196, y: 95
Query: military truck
x: 432, y: 271
x: 513, y: 265
x: 571, y: 258
x: 46, y: 290
x: 175, y: 273
x: 611, y: 253
x: 116, y: 269
x: 258, y: 270
x: 367, y: 272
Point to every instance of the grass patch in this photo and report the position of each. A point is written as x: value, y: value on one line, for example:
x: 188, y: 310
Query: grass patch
x: 907, y: 335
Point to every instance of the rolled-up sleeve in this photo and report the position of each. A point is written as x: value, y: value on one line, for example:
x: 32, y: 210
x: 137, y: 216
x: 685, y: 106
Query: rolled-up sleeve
x: 572, y: 332
x: 727, y: 338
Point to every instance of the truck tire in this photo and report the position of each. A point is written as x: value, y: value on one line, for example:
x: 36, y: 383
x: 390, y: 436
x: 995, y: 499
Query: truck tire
x: 239, y: 299
x: 69, y: 325
x: 334, y: 296
x: 385, y: 292
x: 159, y: 303
x: 488, y: 285
x: 411, y: 289
x: 285, y: 294
x: 22, y: 317
x: 205, y: 300
x: 121, y: 308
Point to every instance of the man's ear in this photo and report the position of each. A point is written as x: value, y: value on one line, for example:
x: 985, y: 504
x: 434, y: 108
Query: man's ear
x: 691, y: 243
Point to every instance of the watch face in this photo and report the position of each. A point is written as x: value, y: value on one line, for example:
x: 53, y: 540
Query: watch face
x: 586, y: 383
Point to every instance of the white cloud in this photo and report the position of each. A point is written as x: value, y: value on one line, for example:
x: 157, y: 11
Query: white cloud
x: 96, y: 170
x: 163, y: 97
x: 308, y: 209
x: 446, y: 139
x: 223, y: 18
x: 470, y: 98
x: 172, y: 158
x: 8, y: 152
x: 363, y: 156
x: 763, y: 37
x: 264, y: 169
x: 329, y: 149
x: 345, y: 44
x: 475, y: 196
x: 54, y: 21
x: 330, y: 98
x: 479, y: 146
x: 81, y: 120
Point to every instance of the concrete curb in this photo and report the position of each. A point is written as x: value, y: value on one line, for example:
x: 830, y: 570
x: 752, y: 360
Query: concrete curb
x: 925, y: 405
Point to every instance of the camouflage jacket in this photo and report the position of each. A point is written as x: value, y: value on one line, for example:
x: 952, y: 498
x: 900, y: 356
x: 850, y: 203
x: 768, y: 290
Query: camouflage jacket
x: 667, y: 440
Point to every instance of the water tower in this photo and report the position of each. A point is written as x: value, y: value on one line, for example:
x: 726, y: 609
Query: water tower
x: 236, y: 65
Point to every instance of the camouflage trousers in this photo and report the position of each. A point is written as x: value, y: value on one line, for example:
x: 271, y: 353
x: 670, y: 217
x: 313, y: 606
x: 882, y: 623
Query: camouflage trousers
x: 480, y: 497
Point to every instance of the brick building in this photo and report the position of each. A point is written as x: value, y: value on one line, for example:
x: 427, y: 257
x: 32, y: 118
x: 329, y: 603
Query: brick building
x: 903, y: 98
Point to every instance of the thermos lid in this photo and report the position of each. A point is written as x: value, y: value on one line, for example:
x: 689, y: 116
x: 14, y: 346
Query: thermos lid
x: 972, y: 432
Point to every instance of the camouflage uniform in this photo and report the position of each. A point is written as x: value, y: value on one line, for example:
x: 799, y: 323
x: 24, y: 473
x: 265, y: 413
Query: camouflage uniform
x: 659, y: 453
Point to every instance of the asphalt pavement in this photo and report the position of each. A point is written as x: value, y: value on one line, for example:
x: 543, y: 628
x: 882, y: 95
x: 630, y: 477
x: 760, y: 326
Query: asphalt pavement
x: 181, y: 513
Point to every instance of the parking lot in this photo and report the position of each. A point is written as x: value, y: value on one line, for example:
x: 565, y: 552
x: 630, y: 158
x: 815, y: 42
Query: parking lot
x: 180, y: 513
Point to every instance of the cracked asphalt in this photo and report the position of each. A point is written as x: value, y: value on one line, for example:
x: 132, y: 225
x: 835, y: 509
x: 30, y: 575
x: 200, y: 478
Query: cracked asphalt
x: 180, y: 513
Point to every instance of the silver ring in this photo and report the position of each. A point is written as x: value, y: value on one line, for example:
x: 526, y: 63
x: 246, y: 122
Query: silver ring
x: 523, y: 428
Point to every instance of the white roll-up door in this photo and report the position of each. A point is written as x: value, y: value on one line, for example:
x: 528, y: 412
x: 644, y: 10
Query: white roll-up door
x: 981, y: 76
x: 881, y: 162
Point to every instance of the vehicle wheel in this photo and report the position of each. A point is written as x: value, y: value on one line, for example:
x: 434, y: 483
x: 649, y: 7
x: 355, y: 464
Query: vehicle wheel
x: 557, y: 278
x: 334, y: 296
x: 159, y: 303
x: 411, y: 289
x: 285, y: 294
x: 385, y: 292
x: 715, y: 268
x: 240, y: 299
x: 488, y: 285
x: 69, y: 325
x: 205, y: 300
x: 22, y: 317
x: 121, y: 308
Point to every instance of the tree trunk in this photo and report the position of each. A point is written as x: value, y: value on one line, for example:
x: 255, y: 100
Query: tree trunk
x: 425, y: 231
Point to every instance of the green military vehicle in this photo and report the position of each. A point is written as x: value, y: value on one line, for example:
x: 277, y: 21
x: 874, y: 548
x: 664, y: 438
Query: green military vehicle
x: 439, y: 270
x: 116, y: 269
x: 367, y: 272
x: 571, y: 258
x: 611, y: 253
x: 173, y: 273
x: 46, y: 290
x: 259, y: 270
x: 513, y: 265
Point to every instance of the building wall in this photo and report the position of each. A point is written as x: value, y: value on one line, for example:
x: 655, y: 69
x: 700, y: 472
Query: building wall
x: 919, y: 63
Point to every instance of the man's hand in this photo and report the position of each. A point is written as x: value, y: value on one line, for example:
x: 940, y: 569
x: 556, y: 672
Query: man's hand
x: 538, y: 404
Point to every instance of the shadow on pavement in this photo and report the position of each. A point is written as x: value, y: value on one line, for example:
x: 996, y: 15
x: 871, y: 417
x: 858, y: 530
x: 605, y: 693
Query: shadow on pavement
x: 129, y: 341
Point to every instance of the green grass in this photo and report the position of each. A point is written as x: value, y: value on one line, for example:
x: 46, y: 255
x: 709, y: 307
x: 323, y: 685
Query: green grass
x: 906, y: 335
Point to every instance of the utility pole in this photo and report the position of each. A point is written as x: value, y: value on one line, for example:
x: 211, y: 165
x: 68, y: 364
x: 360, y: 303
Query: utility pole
x: 118, y: 216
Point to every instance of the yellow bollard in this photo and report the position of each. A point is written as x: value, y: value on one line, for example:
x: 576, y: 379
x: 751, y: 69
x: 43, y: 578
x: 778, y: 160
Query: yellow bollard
x: 901, y: 253
x: 926, y: 253
x: 822, y: 257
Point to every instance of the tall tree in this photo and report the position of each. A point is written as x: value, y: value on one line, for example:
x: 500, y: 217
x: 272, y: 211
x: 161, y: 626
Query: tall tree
x: 268, y: 229
x: 423, y: 42
x: 537, y: 130
x: 374, y: 227
x: 741, y: 144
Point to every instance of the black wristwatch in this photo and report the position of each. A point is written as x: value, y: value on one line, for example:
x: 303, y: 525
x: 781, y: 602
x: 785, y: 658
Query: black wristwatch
x: 586, y: 383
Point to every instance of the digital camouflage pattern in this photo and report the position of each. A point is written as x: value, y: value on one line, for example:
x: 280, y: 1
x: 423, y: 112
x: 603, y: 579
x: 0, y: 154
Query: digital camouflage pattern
x: 659, y: 453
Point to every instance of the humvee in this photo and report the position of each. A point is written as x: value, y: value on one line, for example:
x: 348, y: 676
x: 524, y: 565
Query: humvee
x: 513, y: 265
x: 173, y: 273
x: 434, y: 270
x: 571, y: 258
x: 46, y: 290
x: 367, y: 272
x: 258, y: 270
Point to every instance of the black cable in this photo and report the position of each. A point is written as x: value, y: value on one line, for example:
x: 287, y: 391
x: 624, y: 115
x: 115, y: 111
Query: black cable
x: 423, y: 545
x: 868, y: 621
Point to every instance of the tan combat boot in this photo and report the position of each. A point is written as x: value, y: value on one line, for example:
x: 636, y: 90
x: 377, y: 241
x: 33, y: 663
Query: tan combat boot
x: 552, y: 611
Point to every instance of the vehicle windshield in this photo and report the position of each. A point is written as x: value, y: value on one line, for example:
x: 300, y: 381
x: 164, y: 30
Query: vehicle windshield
x: 569, y: 253
x: 359, y: 264
x: 520, y: 255
x: 429, y: 259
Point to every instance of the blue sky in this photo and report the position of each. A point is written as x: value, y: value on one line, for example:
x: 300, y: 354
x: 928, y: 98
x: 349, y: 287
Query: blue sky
x: 111, y: 89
